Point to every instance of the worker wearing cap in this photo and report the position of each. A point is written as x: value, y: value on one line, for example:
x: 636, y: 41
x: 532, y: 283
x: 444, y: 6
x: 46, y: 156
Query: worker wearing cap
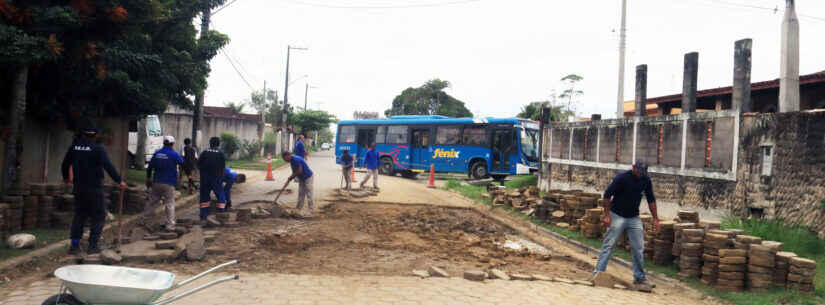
x: 230, y: 177
x: 165, y: 164
x: 211, y: 164
x: 300, y: 170
x: 88, y: 160
x: 300, y: 149
x: 621, y: 214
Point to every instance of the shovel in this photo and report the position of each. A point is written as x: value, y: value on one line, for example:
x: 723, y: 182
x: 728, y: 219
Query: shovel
x: 275, y: 202
x: 119, y: 221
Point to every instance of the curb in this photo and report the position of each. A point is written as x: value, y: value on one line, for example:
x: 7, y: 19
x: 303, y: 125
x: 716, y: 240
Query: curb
x: 181, y: 203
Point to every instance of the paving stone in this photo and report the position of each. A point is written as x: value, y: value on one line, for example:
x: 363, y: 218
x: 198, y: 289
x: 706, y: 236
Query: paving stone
x: 144, y: 252
x: 585, y: 283
x: 421, y: 273
x: 475, y: 275
x: 181, y: 230
x: 195, y: 247
x: 619, y: 286
x: 167, y: 235
x: 602, y: 279
x: 520, y: 277
x: 563, y: 280
x: 93, y: 259
x: 539, y: 277
x: 437, y: 272
x: 110, y: 257
x: 151, y: 237
x: 166, y: 244
x: 215, y: 251
x: 498, y: 274
x: 137, y: 234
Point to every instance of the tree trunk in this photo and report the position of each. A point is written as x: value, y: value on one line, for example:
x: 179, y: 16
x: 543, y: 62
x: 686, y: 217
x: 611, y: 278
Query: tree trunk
x: 17, y: 117
x: 140, y: 151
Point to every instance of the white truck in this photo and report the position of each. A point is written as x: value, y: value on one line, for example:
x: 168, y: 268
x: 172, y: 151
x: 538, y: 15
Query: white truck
x: 154, y: 138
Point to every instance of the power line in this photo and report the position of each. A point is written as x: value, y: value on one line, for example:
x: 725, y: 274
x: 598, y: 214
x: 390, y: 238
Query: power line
x: 223, y: 7
x: 775, y: 10
x: 237, y: 71
x: 399, y: 6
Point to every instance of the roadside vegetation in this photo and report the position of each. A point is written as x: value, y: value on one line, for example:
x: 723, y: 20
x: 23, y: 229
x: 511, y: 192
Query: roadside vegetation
x: 45, y: 237
x: 795, y: 239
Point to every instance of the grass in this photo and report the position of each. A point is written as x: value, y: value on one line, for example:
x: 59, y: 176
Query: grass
x: 796, y: 239
x: 253, y: 164
x: 136, y: 176
x: 45, y: 237
x: 522, y: 181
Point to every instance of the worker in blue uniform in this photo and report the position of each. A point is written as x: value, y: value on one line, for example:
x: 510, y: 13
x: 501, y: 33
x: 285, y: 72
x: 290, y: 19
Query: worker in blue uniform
x: 211, y: 164
x: 231, y: 177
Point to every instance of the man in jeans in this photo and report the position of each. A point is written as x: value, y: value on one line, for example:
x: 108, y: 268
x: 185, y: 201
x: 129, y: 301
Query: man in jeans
x: 621, y: 214
x: 371, y: 163
x: 300, y: 170
x: 346, y: 166
x: 165, y: 164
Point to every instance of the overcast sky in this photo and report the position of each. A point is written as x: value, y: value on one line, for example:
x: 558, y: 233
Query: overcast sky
x: 497, y: 54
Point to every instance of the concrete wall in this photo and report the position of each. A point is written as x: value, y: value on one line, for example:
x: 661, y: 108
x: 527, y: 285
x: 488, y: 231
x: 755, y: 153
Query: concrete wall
x: 179, y: 125
x: 738, y: 181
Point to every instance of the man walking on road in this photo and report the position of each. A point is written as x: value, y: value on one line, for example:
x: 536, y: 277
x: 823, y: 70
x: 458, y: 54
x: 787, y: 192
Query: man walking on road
x: 211, y: 165
x: 190, y: 160
x: 621, y: 214
x: 347, y: 165
x: 300, y: 150
x: 300, y: 170
x: 87, y: 160
x: 371, y: 163
x: 165, y: 164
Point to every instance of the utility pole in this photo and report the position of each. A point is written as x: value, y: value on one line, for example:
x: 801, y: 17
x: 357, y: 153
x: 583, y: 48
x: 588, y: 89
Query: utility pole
x: 622, y: 46
x: 263, y: 121
x: 285, y: 146
x: 197, y: 114
x: 306, y: 94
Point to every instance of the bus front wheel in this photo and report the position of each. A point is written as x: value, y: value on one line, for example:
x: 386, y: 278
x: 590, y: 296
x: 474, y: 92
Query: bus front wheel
x: 479, y: 170
x: 409, y: 174
x: 387, y: 167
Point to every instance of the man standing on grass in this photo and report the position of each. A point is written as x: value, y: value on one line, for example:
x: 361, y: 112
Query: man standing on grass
x: 621, y: 214
x: 165, y: 164
x: 371, y: 163
x: 300, y: 170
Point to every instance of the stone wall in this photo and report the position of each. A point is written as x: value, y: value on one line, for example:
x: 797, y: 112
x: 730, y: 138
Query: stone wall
x: 790, y: 185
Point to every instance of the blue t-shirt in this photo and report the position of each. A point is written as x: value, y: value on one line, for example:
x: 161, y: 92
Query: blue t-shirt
x: 346, y: 159
x: 371, y: 159
x: 300, y: 151
x: 229, y: 175
x: 165, y: 164
x: 297, y: 162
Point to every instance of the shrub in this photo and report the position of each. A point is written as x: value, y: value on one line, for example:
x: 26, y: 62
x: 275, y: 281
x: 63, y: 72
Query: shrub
x: 250, y: 149
x: 229, y: 143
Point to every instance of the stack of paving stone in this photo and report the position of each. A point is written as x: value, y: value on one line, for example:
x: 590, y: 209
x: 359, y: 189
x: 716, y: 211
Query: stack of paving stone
x: 14, y: 214
x: 46, y: 209
x: 686, y: 216
x: 3, y: 226
x: 37, y: 189
x: 64, y: 212
x: 801, y: 275
x: 710, y: 225
x: 761, y: 264
x: 31, y: 212
x: 783, y: 266
x: 590, y: 224
x: 691, y: 249
x: 745, y: 241
x: 732, y: 266
x: 715, y: 240
x: 55, y: 189
x: 663, y: 244
x: 650, y: 234
x: 677, y: 238
x: 66, y: 203
x: 136, y: 199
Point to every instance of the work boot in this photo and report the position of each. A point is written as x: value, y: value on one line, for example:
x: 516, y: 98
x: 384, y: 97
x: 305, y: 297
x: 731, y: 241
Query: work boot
x: 94, y: 249
x: 643, y: 286
x: 74, y: 250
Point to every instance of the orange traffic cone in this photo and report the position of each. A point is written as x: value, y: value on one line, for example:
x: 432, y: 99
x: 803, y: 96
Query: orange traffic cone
x: 432, y: 176
x: 352, y: 176
x: 71, y: 174
x: 269, y: 168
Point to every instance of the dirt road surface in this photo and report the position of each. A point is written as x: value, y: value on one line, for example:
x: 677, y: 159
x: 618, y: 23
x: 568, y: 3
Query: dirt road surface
x: 364, y: 252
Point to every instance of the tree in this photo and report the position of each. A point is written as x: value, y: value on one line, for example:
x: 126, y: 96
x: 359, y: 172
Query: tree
x: 532, y: 111
x: 311, y: 120
x: 428, y: 99
x: 571, y: 94
x: 235, y: 107
x: 261, y: 105
x: 325, y: 136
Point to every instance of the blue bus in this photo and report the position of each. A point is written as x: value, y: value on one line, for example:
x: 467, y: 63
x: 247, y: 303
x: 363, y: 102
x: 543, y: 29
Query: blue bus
x: 410, y: 144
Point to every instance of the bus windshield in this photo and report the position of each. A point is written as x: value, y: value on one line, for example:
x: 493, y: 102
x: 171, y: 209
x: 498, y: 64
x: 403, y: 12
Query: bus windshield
x: 530, y: 144
x: 153, y: 126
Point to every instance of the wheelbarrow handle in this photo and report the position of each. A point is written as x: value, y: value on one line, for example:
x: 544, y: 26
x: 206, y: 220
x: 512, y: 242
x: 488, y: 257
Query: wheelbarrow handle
x: 189, y: 280
x: 196, y: 289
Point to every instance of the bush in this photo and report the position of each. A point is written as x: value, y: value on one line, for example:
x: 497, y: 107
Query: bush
x: 250, y: 149
x: 229, y: 144
x: 796, y: 238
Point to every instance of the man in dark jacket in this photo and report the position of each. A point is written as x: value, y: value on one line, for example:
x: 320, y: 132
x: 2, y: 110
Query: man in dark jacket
x: 211, y: 165
x: 88, y: 160
x: 621, y: 214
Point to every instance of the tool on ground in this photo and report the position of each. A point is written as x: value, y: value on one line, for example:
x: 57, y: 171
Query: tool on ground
x: 431, y: 184
x: 98, y: 284
x: 119, y: 221
x: 275, y: 202
x: 269, y: 168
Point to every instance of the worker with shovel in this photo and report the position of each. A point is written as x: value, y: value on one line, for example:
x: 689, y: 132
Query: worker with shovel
x: 87, y: 160
x: 300, y: 170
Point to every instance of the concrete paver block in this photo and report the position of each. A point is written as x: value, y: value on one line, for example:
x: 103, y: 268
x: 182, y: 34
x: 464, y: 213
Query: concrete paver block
x: 421, y: 273
x: 437, y: 272
x: 498, y: 274
x: 475, y: 275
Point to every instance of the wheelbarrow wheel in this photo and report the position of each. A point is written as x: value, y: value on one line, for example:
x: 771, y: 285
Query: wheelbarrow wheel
x: 65, y: 299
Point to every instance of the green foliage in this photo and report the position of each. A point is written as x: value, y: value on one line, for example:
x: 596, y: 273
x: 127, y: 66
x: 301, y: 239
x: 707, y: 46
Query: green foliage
x: 532, y: 111
x: 796, y: 238
x: 235, y: 107
x: 571, y: 94
x: 311, y: 120
x: 254, y: 164
x: 230, y: 143
x: 250, y: 149
x: 325, y: 136
x: 261, y: 105
x: 428, y: 99
x: 522, y: 181
x: 822, y: 205
x: 45, y: 237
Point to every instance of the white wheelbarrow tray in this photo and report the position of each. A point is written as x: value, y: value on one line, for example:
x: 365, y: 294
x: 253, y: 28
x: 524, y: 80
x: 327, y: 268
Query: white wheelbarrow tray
x: 109, y: 285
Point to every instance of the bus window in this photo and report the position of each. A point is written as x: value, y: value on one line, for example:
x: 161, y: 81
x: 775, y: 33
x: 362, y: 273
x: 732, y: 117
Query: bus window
x: 381, y: 136
x: 347, y: 135
x: 448, y: 135
x: 474, y: 135
x: 530, y: 144
x: 153, y: 126
x: 397, y: 135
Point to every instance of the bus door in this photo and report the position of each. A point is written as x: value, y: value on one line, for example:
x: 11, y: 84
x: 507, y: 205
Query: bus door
x: 420, y: 155
x: 503, y: 147
x: 366, y: 137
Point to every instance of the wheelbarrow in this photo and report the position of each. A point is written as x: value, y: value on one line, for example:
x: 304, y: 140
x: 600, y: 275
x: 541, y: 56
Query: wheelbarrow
x: 109, y: 285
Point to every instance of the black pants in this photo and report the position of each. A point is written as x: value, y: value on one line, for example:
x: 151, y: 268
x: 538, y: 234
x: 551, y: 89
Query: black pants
x: 89, y: 204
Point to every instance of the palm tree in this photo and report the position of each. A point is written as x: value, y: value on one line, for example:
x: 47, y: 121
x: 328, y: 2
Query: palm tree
x: 235, y: 107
